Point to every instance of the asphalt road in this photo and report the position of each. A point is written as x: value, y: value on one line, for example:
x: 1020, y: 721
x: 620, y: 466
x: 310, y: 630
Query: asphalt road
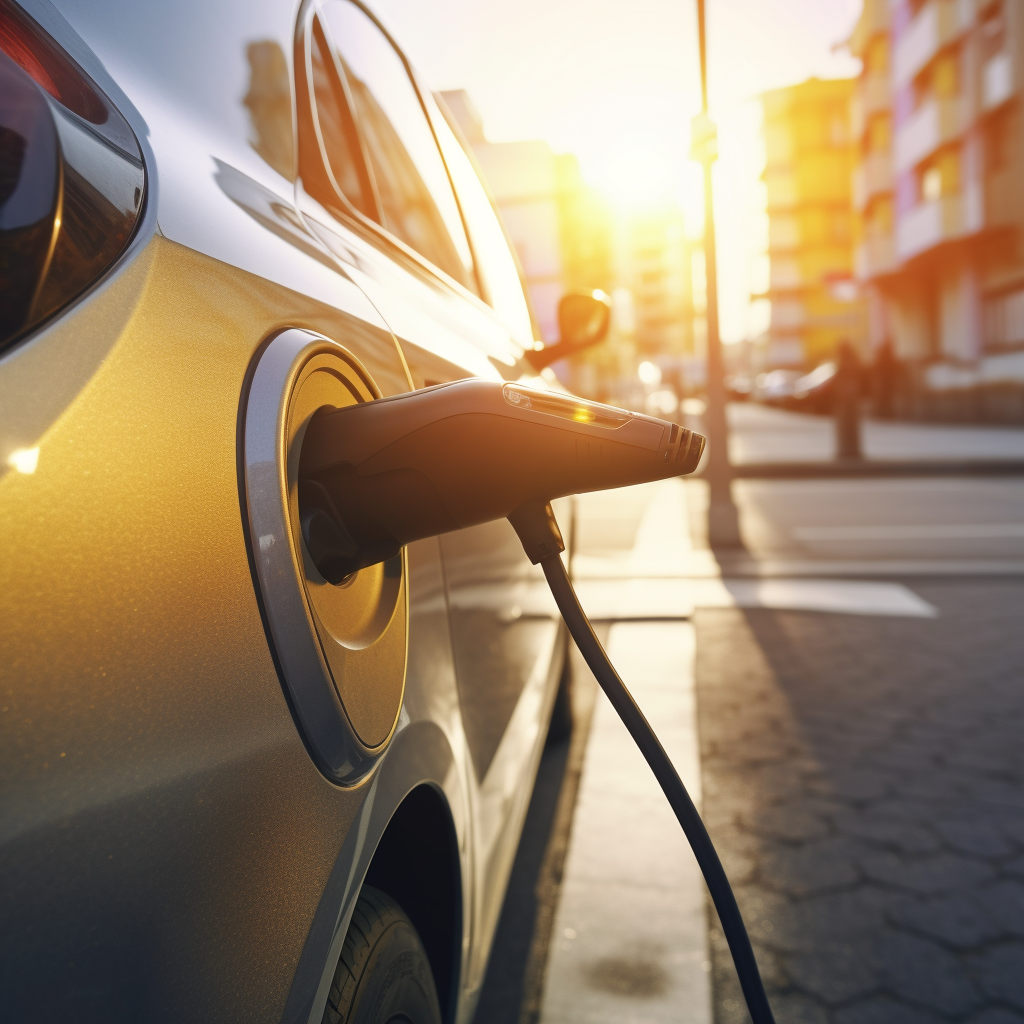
x: 763, y: 434
x: 923, y: 520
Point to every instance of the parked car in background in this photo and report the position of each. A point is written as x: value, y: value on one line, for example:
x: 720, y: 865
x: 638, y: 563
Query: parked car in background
x: 776, y: 386
x: 738, y: 387
x: 815, y: 391
x: 232, y: 791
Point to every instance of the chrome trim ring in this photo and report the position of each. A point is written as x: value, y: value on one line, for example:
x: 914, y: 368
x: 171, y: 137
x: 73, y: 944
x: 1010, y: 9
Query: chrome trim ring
x: 270, y: 461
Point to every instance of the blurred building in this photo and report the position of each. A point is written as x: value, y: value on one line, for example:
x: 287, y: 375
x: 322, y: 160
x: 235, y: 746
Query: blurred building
x: 587, y: 231
x: 588, y: 261
x: 809, y: 160
x: 654, y: 264
x: 940, y: 139
x: 649, y: 263
x: 559, y: 228
x: 523, y: 179
x: 567, y: 238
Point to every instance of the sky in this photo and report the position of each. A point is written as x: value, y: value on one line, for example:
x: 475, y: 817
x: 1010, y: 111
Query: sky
x: 617, y: 84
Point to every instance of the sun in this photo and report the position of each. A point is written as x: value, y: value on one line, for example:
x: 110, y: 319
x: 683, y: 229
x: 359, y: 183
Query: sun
x: 636, y: 175
x: 643, y: 178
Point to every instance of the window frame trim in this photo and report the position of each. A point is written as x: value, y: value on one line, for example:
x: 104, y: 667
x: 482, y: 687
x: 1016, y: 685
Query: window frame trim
x: 365, y: 170
x: 467, y: 149
x: 375, y: 230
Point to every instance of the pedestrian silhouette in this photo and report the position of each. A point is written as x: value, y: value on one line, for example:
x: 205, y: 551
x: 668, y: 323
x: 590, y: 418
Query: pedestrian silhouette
x: 885, y: 370
x: 847, y: 402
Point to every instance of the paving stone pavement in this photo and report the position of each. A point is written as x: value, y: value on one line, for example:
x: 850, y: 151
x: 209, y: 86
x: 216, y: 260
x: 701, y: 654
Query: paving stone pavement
x: 864, y: 783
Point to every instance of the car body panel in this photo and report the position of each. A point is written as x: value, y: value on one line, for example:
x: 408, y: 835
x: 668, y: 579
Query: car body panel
x: 145, y: 732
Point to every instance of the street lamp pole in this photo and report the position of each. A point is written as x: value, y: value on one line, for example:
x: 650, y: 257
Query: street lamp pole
x: 723, y: 520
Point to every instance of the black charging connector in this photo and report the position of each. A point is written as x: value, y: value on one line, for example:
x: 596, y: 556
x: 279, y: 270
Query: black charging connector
x: 377, y: 475
x: 542, y: 540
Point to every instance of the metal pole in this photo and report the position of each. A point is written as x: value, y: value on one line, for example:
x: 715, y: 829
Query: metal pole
x: 723, y: 520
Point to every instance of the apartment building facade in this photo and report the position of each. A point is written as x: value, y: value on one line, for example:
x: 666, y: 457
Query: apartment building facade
x: 936, y: 118
x: 654, y: 263
x: 809, y: 159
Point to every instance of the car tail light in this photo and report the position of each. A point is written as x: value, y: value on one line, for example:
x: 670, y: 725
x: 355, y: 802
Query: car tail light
x: 71, y: 177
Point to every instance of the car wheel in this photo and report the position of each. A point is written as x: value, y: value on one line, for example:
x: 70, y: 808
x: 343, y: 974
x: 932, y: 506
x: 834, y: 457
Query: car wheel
x: 383, y: 975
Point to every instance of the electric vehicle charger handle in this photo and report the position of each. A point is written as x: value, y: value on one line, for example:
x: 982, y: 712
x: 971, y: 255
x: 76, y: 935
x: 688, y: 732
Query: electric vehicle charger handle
x: 380, y: 474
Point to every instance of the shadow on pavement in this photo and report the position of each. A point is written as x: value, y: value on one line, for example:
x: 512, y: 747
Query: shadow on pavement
x: 864, y: 783
x: 514, y: 982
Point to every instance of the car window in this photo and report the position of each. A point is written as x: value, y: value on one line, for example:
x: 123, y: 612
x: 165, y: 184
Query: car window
x: 416, y: 198
x: 499, y: 274
x: 337, y: 134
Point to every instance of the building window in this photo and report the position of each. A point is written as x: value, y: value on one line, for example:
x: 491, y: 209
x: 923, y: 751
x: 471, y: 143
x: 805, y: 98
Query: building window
x: 997, y: 140
x: 946, y: 74
x: 876, y: 58
x: 940, y: 79
x: 931, y: 185
x: 940, y: 176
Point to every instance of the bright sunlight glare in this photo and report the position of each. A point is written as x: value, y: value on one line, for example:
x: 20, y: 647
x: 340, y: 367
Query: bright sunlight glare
x: 637, y: 174
x: 649, y: 373
x: 24, y: 460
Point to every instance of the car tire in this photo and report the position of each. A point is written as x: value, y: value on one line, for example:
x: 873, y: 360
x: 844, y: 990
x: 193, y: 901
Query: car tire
x: 383, y: 974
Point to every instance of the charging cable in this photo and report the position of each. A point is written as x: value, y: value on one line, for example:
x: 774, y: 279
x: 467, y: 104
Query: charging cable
x: 542, y: 540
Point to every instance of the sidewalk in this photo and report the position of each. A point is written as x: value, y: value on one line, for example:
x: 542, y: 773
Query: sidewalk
x: 629, y: 940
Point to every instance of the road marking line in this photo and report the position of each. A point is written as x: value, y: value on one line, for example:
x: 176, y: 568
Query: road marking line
x: 844, y: 597
x: 652, y: 599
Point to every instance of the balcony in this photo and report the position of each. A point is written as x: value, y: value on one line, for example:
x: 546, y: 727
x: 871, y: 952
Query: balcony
x: 935, y: 123
x: 928, y: 225
x: 875, y: 257
x: 996, y: 81
x: 874, y: 20
x: 871, y: 177
x: 936, y: 25
x: 873, y: 95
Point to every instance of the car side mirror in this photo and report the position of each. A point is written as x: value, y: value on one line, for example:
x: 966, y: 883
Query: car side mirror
x: 583, y: 321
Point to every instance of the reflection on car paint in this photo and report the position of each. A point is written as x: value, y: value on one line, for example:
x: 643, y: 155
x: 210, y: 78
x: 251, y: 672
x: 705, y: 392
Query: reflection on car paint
x: 269, y: 102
